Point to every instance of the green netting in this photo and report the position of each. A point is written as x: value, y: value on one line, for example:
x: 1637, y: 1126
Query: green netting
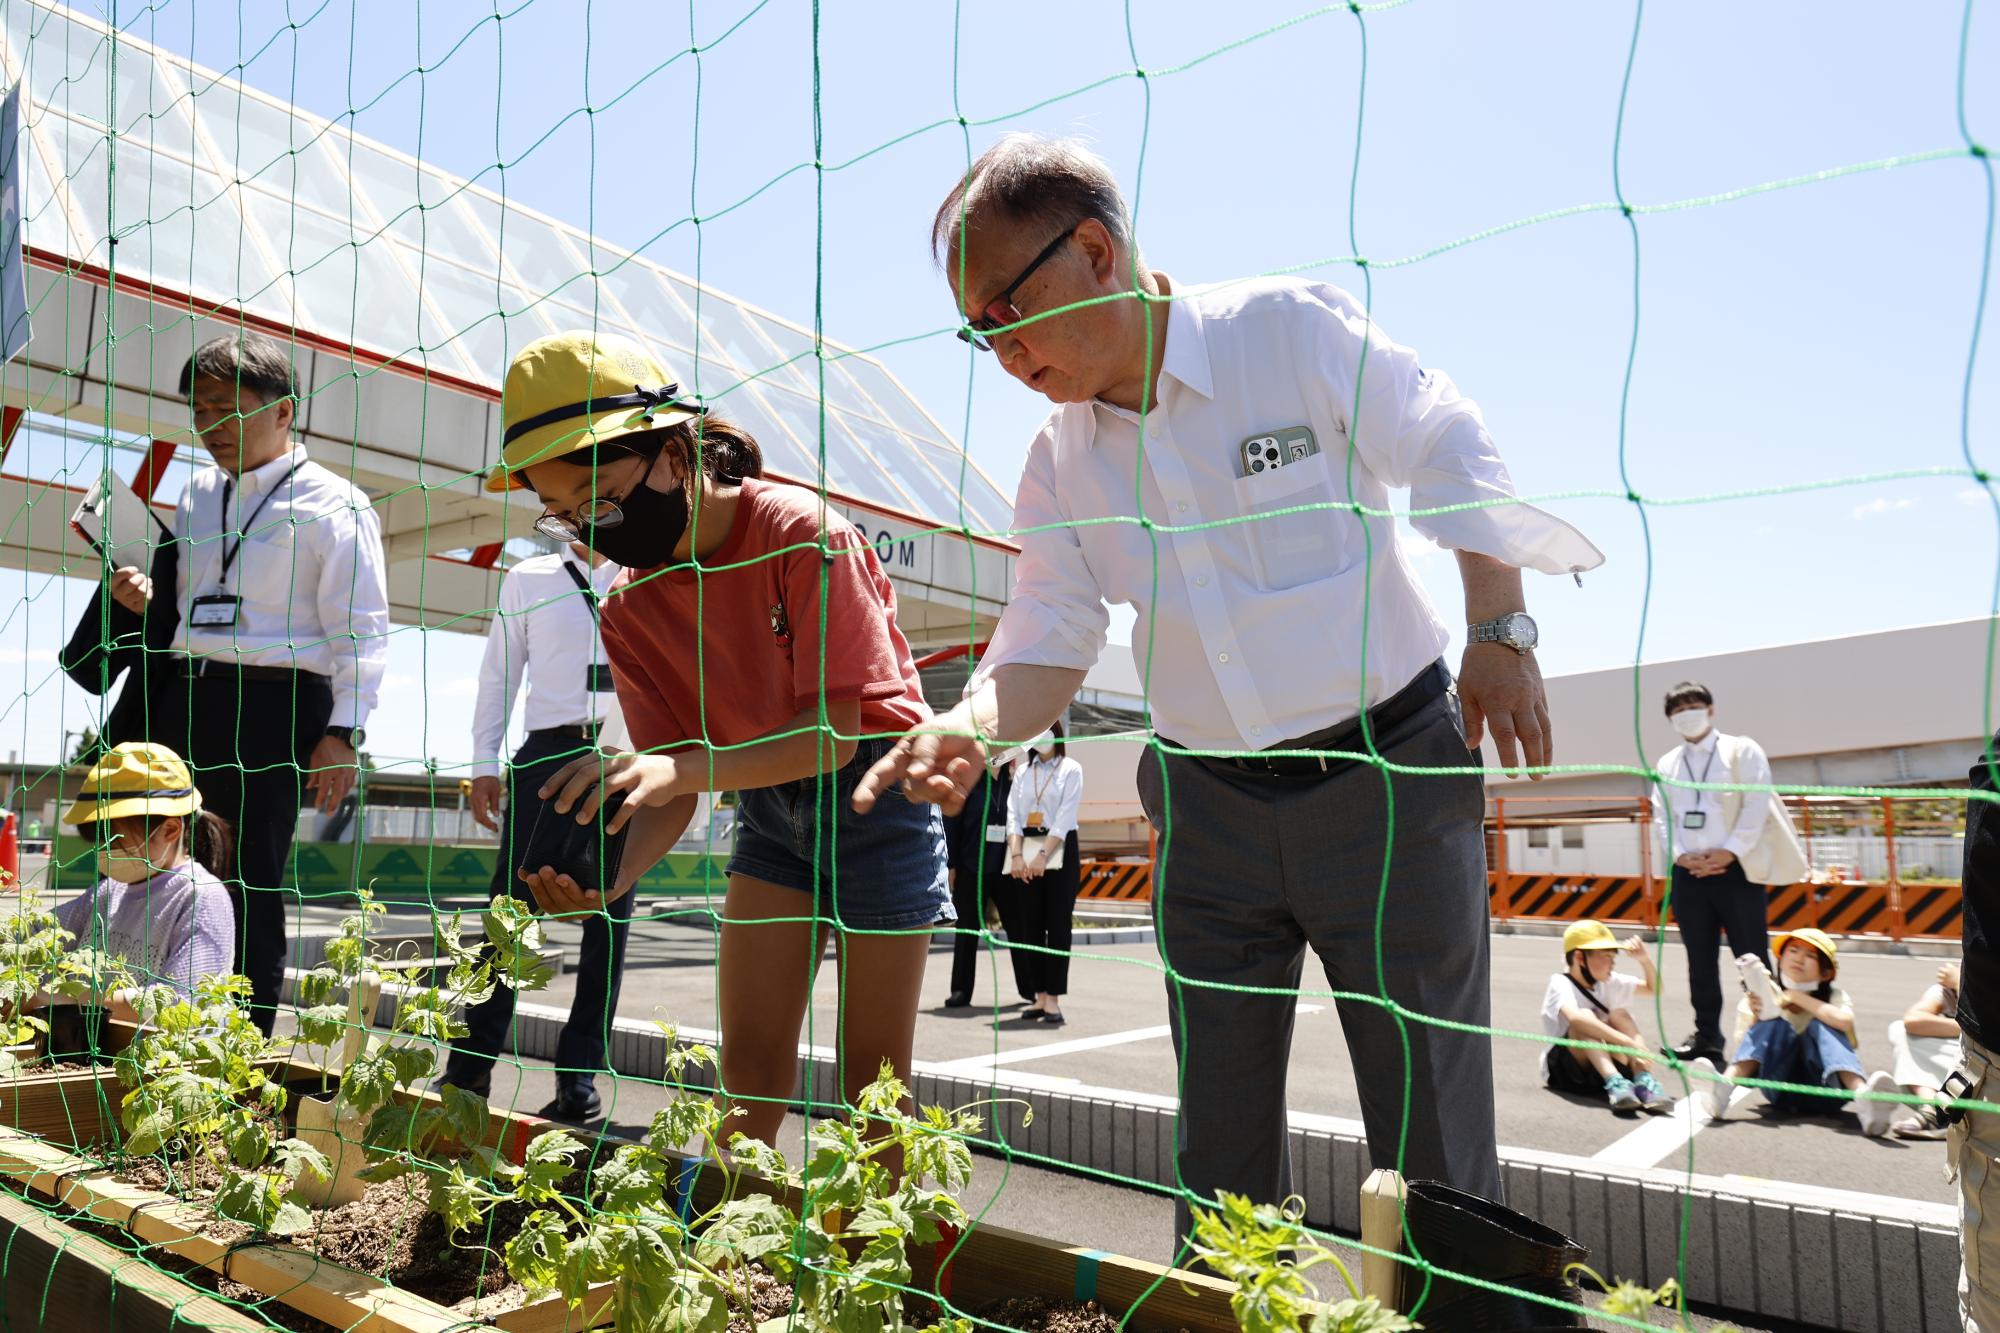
x: 191, y: 170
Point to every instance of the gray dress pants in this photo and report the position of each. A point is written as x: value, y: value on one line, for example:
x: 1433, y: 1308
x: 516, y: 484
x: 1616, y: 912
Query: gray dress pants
x: 1255, y: 869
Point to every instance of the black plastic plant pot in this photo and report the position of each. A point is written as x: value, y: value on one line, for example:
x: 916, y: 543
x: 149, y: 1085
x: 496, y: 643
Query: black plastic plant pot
x: 1464, y: 1233
x: 78, y: 1032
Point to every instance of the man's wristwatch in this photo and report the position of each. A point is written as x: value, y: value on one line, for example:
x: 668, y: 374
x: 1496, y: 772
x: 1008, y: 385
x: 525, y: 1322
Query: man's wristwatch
x: 1516, y: 629
x: 353, y: 736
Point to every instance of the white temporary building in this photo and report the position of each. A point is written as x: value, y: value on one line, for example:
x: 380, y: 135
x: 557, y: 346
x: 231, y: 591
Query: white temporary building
x: 402, y: 288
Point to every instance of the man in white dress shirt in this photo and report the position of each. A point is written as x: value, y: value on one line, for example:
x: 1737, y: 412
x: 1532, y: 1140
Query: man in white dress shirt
x: 1182, y: 412
x: 283, y: 604
x: 545, y: 628
x: 1712, y: 899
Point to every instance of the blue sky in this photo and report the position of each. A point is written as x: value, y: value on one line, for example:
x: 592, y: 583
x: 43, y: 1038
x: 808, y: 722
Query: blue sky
x: 1787, y: 338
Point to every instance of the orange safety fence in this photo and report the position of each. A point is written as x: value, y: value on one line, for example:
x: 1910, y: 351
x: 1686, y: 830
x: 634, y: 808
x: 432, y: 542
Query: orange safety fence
x: 1842, y: 899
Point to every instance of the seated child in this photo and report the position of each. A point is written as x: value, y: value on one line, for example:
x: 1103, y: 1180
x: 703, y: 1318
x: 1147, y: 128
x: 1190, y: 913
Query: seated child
x: 1588, y: 1001
x: 1925, y: 1046
x: 1802, y: 1033
x: 159, y: 904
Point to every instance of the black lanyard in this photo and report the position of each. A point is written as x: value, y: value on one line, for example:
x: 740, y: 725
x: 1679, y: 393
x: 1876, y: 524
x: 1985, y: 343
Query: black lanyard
x: 1687, y: 769
x: 228, y: 551
x: 582, y: 586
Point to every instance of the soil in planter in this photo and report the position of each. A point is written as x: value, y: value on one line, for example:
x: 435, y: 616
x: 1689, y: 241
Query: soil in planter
x: 1037, y: 1314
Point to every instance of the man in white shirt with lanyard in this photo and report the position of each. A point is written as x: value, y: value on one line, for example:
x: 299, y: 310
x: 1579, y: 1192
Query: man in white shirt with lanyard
x: 283, y: 599
x: 1282, y: 633
x: 545, y: 628
x: 1711, y: 899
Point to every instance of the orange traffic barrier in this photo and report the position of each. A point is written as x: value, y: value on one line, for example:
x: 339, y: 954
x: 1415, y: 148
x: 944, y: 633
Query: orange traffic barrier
x: 1122, y: 881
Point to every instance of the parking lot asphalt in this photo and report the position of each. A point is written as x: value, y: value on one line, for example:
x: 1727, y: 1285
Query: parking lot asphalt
x: 1116, y: 1038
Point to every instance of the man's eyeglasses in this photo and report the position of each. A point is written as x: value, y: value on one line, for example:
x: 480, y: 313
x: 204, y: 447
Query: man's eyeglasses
x: 596, y: 514
x: 1001, y: 311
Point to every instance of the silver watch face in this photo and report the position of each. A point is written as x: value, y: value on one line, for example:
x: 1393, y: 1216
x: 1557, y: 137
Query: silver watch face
x: 1521, y: 633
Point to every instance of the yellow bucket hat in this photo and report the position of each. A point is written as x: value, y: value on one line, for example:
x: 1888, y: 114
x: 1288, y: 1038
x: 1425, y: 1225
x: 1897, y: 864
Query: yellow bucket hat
x: 572, y: 391
x: 136, y: 778
x: 1589, y: 935
x: 1812, y: 935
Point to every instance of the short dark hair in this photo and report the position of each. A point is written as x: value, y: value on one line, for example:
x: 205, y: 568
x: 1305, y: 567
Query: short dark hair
x: 246, y: 360
x: 1026, y: 178
x: 1688, y: 692
x: 1055, y: 746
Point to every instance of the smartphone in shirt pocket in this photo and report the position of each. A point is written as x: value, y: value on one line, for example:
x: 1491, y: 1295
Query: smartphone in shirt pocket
x: 1277, y: 470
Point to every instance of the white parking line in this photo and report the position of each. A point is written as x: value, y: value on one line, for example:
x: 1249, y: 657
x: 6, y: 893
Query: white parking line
x: 979, y: 1063
x: 1660, y: 1136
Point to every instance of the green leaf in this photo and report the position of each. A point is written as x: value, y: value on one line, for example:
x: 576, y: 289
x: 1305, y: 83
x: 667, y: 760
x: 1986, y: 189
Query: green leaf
x: 534, y: 1252
x: 249, y: 1143
x: 254, y: 1199
x: 746, y: 1229
x: 548, y: 1161
x: 369, y: 1081
x: 463, y: 1116
x: 294, y: 1156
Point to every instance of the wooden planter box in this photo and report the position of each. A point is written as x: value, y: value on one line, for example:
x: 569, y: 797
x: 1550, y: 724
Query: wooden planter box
x: 75, y: 1109
x: 986, y: 1264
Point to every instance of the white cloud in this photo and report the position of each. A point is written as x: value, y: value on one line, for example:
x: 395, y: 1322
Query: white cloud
x: 19, y: 655
x: 1882, y: 505
x: 1974, y: 496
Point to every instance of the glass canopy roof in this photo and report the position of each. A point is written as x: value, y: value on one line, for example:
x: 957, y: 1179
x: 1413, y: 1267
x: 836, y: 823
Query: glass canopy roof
x: 307, y: 224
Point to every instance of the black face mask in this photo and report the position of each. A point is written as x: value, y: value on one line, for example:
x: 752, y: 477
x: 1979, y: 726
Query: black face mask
x: 654, y: 522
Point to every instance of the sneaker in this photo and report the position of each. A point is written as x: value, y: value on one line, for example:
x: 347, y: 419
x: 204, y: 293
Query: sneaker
x: 1618, y: 1090
x: 1712, y: 1087
x: 1653, y: 1099
x: 1873, y: 1115
x: 1923, y: 1122
x: 1757, y: 983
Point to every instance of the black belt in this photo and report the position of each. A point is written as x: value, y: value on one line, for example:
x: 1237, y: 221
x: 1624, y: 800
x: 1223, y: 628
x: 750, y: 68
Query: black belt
x: 575, y: 731
x: 1398, y: 708
x: 196, y: 668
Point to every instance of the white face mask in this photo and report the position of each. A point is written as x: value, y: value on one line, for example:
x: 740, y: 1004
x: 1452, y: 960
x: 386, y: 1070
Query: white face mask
x: 135, y: 865
x: 1690, y: 722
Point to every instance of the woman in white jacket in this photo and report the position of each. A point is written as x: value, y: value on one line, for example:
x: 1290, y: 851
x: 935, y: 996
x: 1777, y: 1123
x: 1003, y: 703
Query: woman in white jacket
x: 1042, y: 853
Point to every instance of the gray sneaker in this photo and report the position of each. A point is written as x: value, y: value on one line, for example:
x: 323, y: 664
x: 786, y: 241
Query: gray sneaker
x: 1618, y: 1090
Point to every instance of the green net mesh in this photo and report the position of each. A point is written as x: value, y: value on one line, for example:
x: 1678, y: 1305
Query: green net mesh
x: 325, y: 176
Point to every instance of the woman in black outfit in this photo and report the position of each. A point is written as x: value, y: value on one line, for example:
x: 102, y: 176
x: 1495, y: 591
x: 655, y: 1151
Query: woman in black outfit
x: 1042, y: 854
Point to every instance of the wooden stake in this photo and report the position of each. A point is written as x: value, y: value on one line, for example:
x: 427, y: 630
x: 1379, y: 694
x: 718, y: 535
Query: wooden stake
x: 1382, y: 1227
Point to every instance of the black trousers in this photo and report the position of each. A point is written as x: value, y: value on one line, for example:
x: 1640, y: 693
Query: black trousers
x: 1044, y: 913
x: 1709, y: 910
x: 600, y: 964
x: 993, y: 884
x: 250, y: 744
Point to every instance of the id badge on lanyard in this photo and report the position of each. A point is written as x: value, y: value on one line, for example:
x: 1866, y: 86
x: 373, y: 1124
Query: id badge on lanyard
x: 215, y: 611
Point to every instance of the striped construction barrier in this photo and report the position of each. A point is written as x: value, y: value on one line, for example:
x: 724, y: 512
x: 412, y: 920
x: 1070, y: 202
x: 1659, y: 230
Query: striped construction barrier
x: 1900, y: 911
x: 1119, y: 881
x: 1621, y: 898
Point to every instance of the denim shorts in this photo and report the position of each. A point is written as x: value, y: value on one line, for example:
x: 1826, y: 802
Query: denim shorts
x: 884, y: 870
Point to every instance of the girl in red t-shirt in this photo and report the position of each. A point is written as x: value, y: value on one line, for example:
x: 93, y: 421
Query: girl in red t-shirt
x: 754, y: 647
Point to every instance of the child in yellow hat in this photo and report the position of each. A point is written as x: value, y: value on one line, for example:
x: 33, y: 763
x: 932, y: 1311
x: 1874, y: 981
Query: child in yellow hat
x: 158, y: 903
x: 754, y: 645
x: 1590, y: 1001
x: 1797, y: 1028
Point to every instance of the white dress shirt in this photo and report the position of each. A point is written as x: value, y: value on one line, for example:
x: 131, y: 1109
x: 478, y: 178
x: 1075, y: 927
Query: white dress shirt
x: 309, y: 569
x: 1050, y: 787
x: 1250, y: 633
x: 544, y: 629
x: 1702, y: 761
